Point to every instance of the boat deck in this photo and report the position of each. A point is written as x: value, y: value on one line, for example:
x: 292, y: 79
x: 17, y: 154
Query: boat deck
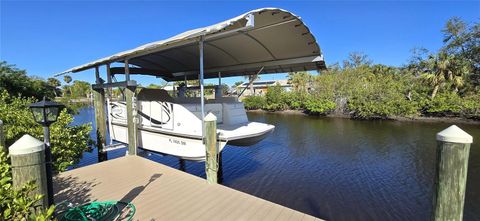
x: 163, y: 193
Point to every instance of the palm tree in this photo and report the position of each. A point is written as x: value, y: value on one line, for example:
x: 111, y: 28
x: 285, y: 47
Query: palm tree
x: 443, y: 69
x: 54, y: 83
x: 300, y: 80
x: 67, y: 80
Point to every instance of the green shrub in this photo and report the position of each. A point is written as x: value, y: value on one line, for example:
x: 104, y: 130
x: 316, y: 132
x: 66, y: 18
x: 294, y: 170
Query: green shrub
x: 445, y: 104
x: 274, y: 98
x: 317, y: 105
x: 295, y: 100
x: 68, y: 142
x: 19, y: 204
x: 381, y: 96
x: 254, y: 102
x: 471, y: 106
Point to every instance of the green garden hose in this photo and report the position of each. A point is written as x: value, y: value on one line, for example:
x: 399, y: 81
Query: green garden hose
x: 100, y: 211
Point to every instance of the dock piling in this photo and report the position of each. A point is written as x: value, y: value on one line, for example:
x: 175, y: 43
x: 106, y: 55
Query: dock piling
x: 451, y: 173
x: 131, y: 115
x: 100, y: 118
x: 132, y: 136
x: 28, y: 164
x: 211, y: 146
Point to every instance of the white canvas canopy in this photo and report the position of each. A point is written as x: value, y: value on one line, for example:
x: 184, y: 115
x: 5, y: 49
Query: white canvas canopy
x: 270, y: 39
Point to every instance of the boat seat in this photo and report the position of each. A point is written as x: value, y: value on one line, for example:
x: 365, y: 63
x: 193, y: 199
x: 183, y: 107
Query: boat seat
x: 196, y: 109
x: 153, y: 94
x: 234, y: 113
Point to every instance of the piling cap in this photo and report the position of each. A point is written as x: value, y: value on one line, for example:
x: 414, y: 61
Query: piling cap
x: 454, y: 134
x: 210, y: 117
x: 25, y: 145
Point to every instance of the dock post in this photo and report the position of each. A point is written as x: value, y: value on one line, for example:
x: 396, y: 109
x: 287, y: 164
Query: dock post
x: 211, y: 146
x: 131, y: 117
x: 132, y: 138
x: 100, y: 122
x: 453, y: 147
x: 28, y: 164
x: 2, y: 138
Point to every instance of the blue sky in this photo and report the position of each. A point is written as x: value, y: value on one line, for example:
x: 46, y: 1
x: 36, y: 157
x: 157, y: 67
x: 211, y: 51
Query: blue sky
x: 46, y: 37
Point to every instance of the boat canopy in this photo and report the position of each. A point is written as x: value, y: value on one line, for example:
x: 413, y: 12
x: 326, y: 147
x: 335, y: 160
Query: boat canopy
x: 269, y: 39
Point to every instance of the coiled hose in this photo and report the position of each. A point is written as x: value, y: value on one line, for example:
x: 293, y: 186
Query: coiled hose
x: 99, y: 211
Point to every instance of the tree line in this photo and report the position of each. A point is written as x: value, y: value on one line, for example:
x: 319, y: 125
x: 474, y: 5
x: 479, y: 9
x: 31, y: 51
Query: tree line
x: 18, y: 83
x: 442, y: 83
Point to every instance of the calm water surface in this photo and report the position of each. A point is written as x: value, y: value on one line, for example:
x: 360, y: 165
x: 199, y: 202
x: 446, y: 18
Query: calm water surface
x: 337, y: 169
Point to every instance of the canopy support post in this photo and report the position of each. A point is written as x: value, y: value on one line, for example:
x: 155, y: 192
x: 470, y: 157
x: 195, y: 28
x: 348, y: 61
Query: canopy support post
x: 101, y: 127
x: 131, y: 122
x: 200, y: 47
x: 219, y: 87
x: 127, y: 71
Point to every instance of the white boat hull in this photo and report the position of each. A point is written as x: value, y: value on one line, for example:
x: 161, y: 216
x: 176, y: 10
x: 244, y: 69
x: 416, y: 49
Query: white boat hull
x: 184, y: 147
x: 175, y: 128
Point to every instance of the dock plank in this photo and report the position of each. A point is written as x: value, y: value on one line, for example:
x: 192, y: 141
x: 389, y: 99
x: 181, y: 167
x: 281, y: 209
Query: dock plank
x: 260, y: 211
x: 202, y: 209
x: 163, y: 193
x: 296, y: 216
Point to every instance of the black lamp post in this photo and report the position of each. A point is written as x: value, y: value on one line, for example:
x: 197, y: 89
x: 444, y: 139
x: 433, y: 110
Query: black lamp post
x: 45, y: 113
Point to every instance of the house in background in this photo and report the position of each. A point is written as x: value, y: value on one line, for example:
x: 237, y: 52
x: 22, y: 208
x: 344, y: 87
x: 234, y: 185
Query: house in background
x: 260, y: 87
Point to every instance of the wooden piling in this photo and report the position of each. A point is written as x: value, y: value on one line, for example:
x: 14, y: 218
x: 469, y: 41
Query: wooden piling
x: 100, y: 118
x: 211, y: 147
x: 132, y: 138
x: 451, y: 173
x: 28, y: 164
x: 131, y: 122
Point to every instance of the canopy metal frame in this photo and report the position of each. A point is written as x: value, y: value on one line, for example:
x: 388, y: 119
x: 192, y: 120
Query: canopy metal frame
x: 202, y: 95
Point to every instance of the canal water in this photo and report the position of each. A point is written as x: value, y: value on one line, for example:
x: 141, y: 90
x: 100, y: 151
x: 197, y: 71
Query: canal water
x: 337, y: 169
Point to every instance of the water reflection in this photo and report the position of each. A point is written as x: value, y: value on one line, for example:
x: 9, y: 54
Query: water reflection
x: 339, y: 169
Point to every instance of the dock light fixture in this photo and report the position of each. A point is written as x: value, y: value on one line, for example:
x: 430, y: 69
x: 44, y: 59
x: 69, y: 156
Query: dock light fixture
x: 45, y: 113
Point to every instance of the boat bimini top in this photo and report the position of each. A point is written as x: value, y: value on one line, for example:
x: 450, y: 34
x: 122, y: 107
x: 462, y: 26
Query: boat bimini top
x: 272, y: 38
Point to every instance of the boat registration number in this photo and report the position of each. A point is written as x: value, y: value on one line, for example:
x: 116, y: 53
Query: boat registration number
x: 180, y: 142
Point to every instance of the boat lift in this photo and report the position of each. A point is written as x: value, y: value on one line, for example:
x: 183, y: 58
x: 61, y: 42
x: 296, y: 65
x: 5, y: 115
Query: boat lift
x: 262, y: 41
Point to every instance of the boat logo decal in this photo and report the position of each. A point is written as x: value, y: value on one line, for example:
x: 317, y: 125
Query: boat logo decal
x: 118, y: 112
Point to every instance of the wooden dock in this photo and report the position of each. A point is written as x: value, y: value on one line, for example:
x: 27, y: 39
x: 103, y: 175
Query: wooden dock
x: 163, y: 193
